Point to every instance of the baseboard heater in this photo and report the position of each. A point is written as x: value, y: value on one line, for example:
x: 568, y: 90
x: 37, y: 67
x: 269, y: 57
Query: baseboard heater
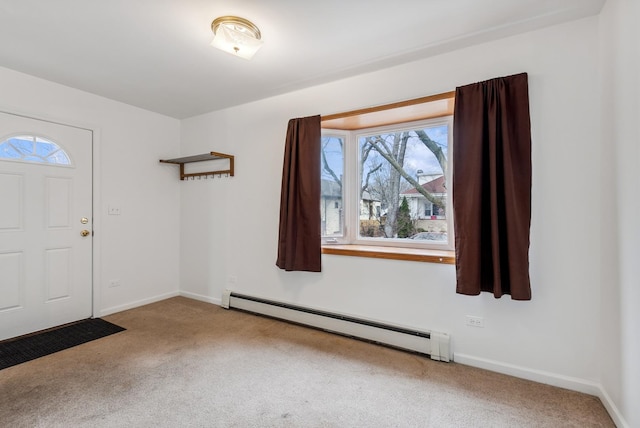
x: 433, y: 344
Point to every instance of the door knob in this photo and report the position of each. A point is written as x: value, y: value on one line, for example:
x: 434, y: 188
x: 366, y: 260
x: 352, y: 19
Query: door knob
x: 85, y: 233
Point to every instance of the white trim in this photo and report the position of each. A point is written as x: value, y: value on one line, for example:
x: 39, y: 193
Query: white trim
x: 46, y: 118
x: 97, y: 221
x: 200, y: 297
x: 612, y: 409
x: 554, y: 379
x: 142, y: 302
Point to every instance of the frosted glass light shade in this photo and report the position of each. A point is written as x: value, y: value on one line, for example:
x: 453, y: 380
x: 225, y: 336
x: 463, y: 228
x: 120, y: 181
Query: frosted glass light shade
x: 235, y: 38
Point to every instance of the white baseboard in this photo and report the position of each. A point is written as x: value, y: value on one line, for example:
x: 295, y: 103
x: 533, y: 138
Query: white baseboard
x: 201, y: 297
x: 612, y: 409
x: 554, y: 379
x: 131, y: 305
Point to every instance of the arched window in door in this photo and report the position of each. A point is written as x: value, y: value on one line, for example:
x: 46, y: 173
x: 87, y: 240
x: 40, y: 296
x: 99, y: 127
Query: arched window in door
x: 31, y: 148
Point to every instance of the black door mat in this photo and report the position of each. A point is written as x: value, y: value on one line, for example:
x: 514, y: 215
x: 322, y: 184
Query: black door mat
x: 36, y: 345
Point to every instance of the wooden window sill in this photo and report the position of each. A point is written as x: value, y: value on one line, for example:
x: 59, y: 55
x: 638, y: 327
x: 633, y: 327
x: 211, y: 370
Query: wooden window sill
x: 394, y: 253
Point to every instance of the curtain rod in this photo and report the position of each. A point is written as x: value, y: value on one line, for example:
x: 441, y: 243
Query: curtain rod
x: 422, y: 100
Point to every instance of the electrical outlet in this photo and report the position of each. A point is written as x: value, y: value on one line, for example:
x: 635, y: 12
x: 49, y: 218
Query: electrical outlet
x: 232, y: 279
x: 475, y: 321
x: 113, y: 210
x: 115, y: 283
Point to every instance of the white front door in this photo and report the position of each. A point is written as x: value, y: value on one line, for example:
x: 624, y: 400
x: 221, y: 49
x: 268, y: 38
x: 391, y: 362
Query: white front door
x: 45, y: 224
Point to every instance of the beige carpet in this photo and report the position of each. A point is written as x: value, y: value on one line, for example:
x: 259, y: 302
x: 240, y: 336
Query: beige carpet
x: 183, y: 363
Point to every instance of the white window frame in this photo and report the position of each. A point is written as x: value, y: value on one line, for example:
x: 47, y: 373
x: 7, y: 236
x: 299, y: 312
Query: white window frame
x: 351, y: 183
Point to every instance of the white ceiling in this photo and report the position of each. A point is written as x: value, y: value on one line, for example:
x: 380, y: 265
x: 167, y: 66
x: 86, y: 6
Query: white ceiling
x: 155, y: 54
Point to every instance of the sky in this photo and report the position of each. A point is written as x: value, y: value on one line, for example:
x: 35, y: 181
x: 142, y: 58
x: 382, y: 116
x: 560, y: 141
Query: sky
x: 417, y: 156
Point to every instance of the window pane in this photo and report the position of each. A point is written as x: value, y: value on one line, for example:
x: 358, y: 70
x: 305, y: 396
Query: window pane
x: 7, y: 151
x: 28, y: 148
x: 24, y: 145
x: 331, y: 188
x: 403, y: 184
x: 44, y: 148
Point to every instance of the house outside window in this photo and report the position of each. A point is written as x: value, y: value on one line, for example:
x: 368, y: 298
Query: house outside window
x: 392, y: 185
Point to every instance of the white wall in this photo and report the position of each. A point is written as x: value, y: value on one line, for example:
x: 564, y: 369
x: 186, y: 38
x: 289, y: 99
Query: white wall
x: 620, y: 49
x: 551, y: 337
x: 141, y: 246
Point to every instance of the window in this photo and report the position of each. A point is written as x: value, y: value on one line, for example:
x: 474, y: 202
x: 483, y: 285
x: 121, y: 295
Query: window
x: 29, y: 148
x: 331, y: 186
x: 391, y: 182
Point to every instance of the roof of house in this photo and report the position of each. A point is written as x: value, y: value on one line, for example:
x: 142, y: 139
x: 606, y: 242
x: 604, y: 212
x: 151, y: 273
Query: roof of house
x: 331, y: 189
x: 434, y: 186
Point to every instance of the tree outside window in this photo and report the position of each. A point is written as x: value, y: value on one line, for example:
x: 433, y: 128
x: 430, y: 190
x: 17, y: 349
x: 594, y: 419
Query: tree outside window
x: 400, y: 181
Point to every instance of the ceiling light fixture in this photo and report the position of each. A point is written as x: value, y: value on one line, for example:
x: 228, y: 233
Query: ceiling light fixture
x: 236, y: 36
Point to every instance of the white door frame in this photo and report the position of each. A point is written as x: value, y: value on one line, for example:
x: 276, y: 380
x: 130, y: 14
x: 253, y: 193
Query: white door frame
x: 95, y: 189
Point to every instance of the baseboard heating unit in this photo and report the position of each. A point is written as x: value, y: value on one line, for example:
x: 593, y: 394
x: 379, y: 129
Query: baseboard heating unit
x: 433, y: 344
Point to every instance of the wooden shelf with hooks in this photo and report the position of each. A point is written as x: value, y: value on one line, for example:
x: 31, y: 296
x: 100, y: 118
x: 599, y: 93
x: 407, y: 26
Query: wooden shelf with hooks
x: 200, y: 158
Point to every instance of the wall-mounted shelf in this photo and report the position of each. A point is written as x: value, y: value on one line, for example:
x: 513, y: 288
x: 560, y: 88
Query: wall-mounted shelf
x: 199, y: 158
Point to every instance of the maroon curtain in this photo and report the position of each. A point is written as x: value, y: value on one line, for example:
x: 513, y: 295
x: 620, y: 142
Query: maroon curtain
x: 299, y: 246
x: 492, y: 187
